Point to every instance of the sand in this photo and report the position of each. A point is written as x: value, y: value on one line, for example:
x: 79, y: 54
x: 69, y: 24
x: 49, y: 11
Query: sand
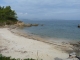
x: 18, y: 46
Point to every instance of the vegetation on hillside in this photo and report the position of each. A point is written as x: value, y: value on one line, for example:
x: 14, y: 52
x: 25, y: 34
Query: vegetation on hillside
x: 7, y: 15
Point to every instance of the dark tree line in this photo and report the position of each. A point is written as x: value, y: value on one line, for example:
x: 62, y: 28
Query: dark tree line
x: 7, y: 14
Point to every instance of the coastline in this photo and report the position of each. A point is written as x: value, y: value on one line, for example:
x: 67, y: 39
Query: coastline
x: 51, y: 41
x: 29, y: 36
x: 19, y: 45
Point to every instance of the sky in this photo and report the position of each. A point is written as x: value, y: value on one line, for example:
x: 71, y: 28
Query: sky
x: 45, y: 9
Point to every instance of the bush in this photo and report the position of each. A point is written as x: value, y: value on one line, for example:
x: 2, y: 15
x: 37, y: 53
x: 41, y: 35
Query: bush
x: 9, y: 58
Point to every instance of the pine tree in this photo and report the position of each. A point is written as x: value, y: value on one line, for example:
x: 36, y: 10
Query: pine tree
x: 7, y: 14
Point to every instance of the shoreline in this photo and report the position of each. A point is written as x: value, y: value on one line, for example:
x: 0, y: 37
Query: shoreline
x: 28, y: 35
x: 24, y: 46
x: 20, y: 32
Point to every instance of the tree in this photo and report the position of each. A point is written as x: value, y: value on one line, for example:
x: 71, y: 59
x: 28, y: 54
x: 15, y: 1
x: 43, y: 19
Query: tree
x: 10, y: 13
x: 7, y: 14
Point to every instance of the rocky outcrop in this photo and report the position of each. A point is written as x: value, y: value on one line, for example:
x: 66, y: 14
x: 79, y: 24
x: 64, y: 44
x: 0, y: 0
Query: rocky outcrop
x: 78, y: 26
x: 35, y: 24
x: 18, y: 24
x: 28, y: 25
x: 73, y: 56
x: 22, y: 24
x: 41, y: 24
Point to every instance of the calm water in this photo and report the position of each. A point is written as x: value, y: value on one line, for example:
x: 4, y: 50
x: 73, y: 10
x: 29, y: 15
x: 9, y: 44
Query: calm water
x: 62, y: 29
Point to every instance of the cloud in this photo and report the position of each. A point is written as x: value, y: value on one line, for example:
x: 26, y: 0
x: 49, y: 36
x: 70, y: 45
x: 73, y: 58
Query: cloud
x: 45, y: 9
x: 20, y: 14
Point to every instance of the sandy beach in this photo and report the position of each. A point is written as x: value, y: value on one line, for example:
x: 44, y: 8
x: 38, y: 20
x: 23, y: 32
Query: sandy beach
x: 18, y: 46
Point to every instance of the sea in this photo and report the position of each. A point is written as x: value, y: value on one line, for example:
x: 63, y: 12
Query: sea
x: 55, y: 29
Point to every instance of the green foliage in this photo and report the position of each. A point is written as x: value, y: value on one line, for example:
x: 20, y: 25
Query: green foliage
x: 7, y: 15
x: 9, y: 58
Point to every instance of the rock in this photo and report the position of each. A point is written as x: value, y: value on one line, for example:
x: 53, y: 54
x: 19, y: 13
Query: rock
x: 1, y: 24
x: 72, y: 56
x: 35, y: 24
x: 20, y: 23
x: 72, y: 59
x: 6, y: 26
x: 28, y: 25
x: 13, y: 26
x: 78, y: 26
x: 41, y: 24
